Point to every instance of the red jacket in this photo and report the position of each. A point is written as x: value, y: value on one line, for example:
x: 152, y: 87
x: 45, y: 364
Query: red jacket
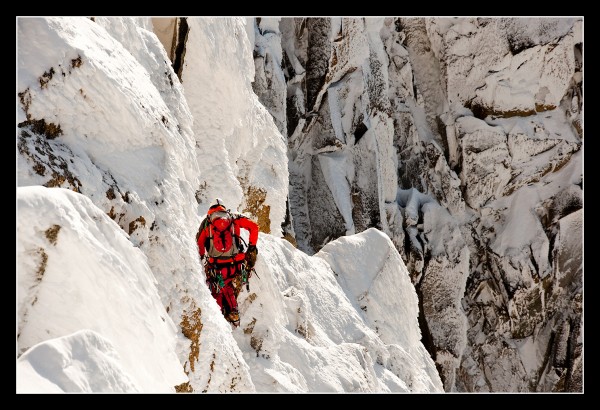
x: 240, y: 222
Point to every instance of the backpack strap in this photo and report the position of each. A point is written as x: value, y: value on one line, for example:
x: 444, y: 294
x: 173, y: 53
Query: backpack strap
x: 241, y: 243
x: 205, y: 222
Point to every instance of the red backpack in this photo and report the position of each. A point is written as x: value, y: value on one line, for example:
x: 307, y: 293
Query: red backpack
x: 223, y: 240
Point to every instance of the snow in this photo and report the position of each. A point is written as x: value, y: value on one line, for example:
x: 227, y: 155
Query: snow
x: 126, y: 137
x: 300, y: 329
x: 111, y: 294
x: 570, y: 252
x: 508, y: 98
x: 380, y: 286
x: 522, y: 225
x: 471, y: 125
x: 334, y: 170
x: 236, y: 139
x: 540, y: 30
x: 434, y: 231
x: 110, y: 291
x: 506, y: 65
x: 382, y: 278
x: 269, y: 24
x: 552, y: 125
x: 72, y: 260
x: 523, y: 81
x: 303, y: 328
x: 82, y: 362
x: 521, y: 230
x: 269, y: 79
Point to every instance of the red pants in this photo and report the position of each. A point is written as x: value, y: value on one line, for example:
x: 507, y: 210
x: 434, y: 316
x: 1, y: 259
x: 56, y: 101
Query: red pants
x: 226, y: 296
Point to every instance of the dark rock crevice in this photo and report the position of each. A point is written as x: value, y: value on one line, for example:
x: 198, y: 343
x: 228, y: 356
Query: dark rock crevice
x: 182, y: 33
x: 319, y: 50
x: 426, y: 337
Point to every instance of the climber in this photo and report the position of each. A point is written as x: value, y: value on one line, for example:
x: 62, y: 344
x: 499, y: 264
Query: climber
x: 227, y: 264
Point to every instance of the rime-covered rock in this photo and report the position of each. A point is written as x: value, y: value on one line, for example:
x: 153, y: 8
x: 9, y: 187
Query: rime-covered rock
x: 112, y: 294
x: 478, y: 116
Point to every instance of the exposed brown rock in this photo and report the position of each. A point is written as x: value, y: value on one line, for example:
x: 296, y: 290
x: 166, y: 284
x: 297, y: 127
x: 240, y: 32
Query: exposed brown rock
x: 52, y: 233
x: 191, y: 327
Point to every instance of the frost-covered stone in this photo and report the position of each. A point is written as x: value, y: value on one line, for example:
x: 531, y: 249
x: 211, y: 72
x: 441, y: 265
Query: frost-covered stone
x: 459, y: 138
x: 485, y: 116
x: 146, y: 153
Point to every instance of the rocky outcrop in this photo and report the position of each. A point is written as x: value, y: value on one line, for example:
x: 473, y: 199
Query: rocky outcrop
x: 461, y: 139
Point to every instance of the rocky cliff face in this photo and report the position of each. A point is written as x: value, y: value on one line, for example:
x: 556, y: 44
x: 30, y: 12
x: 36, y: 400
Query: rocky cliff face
x: 102, y: 112
x: 462, y: 140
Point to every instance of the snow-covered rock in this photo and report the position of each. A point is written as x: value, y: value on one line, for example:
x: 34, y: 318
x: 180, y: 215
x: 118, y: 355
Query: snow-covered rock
x: 242, y: 153
x: 111, y: 190
x: 390, y: 118
x: 128, y: 145
x: 78, y: 270
x: 458, y: 138
x: 82, y: 362
x: 302, y: 326
x: 334, y: 322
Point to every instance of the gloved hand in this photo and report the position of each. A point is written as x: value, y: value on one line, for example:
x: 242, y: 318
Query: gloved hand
x: 251, y: 254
